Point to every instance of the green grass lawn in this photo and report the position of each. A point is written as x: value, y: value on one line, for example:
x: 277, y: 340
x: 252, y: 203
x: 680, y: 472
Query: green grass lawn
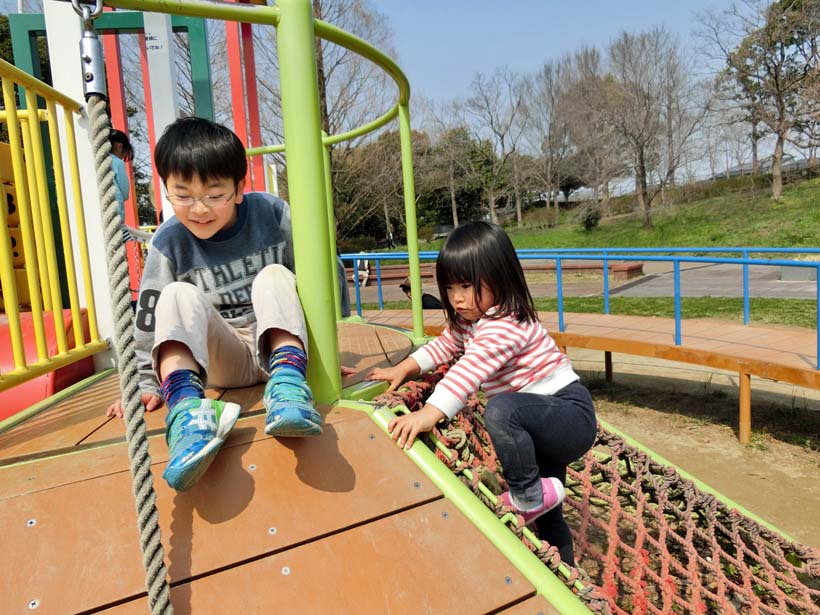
x: 733, y: 219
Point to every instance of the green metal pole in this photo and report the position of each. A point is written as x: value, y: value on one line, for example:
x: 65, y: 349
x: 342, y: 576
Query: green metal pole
x: 331, y: 229
x: 410, y: 216
x: 306, y: 177
x: 200, y: 65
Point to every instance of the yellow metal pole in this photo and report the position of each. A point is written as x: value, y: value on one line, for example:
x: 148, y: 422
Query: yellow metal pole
x: 82, y: 235
x: 52, y: 279
x: 37, y: 224
x: 6, y: 267
x: 65, y: 233
x: 25, y: 225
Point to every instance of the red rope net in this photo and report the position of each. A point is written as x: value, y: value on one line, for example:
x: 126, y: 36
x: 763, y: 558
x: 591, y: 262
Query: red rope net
x: 647, y: 540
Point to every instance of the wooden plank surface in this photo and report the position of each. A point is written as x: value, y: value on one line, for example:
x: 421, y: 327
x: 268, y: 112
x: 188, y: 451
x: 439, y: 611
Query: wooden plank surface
x: 63, y: 425
x: 262, y: 496
x: 537, y: 605
x: 428, y: 559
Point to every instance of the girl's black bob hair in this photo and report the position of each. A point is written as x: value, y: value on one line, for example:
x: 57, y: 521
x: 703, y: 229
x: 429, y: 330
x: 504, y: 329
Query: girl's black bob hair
x: 118, y: 136
x: 481, y: 253
x: 196, y: 147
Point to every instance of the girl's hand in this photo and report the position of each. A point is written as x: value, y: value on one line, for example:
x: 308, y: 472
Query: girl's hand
x: 404, y: 429
x: 149, y: 400
x: 396, y: 375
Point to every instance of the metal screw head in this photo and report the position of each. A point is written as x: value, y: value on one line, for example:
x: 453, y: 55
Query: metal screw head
x: 271, y: 530
x: 286, y: 570
x: 508, y: 580
x: 33, y: 605
x: 252, y: 467
x: 372, y: 436
x: 417, y: 485
x: 445, y: 514
x: 31, y: 522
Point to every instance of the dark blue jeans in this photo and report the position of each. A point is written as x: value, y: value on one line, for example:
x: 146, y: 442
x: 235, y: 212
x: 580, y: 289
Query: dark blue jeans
x: 537, y: 436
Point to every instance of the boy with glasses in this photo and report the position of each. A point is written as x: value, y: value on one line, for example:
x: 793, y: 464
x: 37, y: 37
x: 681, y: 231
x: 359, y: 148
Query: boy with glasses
x: 218, y: 302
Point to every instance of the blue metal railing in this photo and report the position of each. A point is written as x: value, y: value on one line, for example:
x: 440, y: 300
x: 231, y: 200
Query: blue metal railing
x: 606, y: 256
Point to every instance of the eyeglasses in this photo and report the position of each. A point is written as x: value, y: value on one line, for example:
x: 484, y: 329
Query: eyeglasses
x: 209, y: 201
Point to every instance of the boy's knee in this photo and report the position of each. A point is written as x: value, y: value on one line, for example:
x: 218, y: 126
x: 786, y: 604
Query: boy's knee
x: 180, y: 293
x: 274, y: 274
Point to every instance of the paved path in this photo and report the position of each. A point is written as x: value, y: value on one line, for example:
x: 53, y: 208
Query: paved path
x: 715, y: 280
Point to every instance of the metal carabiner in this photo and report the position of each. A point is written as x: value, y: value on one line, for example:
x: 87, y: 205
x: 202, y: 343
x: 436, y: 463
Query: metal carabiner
x: 85, y: 11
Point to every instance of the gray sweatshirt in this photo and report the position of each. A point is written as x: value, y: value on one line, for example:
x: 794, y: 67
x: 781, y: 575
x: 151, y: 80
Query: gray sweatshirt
x: 223, y: 267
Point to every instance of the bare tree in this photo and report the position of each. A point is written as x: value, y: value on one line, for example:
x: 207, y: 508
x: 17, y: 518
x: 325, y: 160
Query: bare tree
x: 643, y: 102
x: 547, y: 131
x: 494, y: 104
x: 450, y: 161
x: 771, y: 52
x: 597, y: 150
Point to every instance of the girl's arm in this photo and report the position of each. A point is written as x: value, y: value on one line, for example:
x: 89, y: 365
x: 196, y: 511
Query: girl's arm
x: 494, y: 345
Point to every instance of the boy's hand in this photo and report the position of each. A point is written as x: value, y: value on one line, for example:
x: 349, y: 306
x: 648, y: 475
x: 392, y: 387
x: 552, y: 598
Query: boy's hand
x: 404, y: 429
x: 149, y: 400
x: 347, y: 371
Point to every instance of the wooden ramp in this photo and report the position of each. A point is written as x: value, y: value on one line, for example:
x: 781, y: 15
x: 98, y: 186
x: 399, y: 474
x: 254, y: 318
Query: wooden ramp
x: 341, y: 523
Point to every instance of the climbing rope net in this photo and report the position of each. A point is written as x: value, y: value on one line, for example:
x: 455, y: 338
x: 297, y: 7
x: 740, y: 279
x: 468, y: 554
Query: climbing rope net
x: 647, y: 540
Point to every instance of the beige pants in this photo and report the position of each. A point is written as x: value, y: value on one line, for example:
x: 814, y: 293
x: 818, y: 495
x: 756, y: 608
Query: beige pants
x: 227, y: 356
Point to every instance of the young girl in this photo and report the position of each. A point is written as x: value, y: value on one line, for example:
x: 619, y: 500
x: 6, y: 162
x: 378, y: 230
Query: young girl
x: 539, y: 416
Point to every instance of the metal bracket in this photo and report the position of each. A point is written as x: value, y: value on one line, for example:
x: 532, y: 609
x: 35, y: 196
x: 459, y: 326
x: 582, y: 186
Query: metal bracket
x: 91, y: 52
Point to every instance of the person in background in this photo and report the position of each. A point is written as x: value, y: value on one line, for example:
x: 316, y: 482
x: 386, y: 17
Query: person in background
x: 121, y: 152
x: 428, y: 301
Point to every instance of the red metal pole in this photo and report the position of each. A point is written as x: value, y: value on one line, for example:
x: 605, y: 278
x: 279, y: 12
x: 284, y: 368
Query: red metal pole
x: 257, y: 163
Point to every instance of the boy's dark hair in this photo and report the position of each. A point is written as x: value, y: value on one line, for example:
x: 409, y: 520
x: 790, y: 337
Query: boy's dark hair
x: 118, y: 136
x: 196, y: 147
x: 481, y: 252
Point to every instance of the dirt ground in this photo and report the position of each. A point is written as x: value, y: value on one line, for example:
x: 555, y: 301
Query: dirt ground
x: 776, y: 477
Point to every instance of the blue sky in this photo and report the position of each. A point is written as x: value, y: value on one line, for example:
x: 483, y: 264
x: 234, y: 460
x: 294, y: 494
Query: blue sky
x: 442, y: 44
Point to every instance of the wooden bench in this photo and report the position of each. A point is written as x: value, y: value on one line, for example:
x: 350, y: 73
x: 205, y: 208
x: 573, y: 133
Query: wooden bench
x: 619, y: 271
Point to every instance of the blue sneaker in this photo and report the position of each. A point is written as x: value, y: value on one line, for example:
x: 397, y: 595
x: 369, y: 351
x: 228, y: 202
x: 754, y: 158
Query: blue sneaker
x: 289, y: 403
x: 195, y: 430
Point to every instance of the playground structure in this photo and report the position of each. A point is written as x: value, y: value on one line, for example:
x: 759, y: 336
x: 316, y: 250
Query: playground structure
x: 40, y: 476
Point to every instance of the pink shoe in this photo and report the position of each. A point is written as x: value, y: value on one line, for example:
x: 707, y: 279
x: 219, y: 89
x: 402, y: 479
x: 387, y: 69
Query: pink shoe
x: 553, y: 496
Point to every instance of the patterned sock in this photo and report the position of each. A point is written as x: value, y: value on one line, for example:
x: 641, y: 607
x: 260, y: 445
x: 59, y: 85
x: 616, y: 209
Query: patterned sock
x: 288, y: 357
x: 180, y: 384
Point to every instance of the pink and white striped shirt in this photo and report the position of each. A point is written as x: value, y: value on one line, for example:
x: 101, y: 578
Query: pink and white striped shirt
x: 498, y: 355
